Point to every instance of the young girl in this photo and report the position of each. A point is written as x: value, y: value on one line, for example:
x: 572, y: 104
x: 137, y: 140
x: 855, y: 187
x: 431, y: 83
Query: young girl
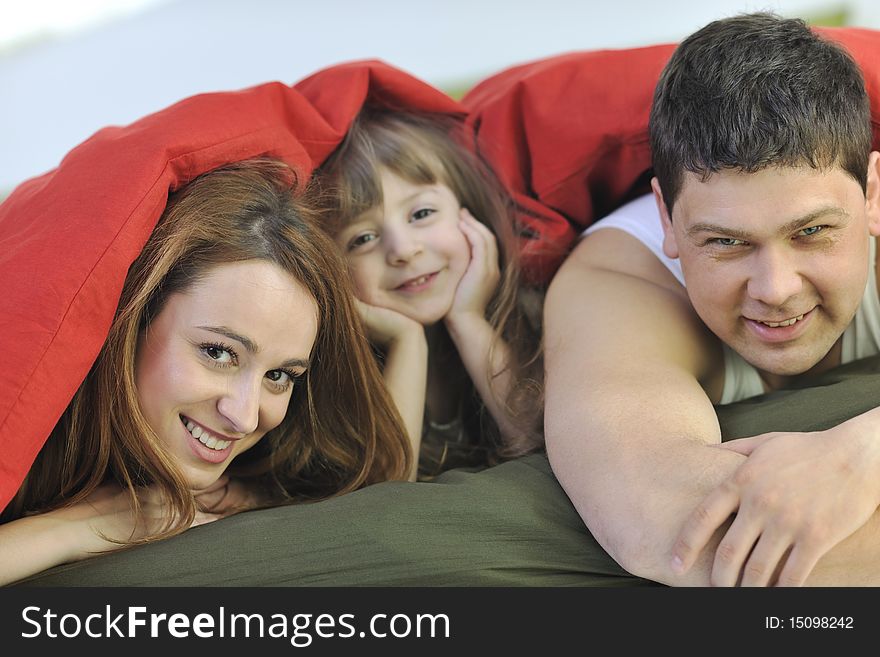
x: 429, y: 240
x: 234, y: 376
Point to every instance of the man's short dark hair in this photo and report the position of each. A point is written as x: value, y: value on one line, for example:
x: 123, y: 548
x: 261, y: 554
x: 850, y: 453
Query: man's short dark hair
x: 754, y: 91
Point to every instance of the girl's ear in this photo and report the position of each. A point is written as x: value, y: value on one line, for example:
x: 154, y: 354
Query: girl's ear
x: 872, y: 194
x: 670, y: 247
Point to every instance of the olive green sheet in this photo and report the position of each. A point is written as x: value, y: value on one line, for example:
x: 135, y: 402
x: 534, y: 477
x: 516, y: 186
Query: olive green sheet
x: 509, y: 525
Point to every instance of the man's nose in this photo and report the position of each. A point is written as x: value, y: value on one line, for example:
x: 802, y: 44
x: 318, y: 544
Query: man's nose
x: 774, y: 277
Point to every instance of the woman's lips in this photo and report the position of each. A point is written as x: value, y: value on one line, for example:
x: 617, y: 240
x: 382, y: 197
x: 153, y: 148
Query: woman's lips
x: 196, y: 434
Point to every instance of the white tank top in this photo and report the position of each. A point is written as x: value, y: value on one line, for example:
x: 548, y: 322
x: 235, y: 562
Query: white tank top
x: 641, y: 219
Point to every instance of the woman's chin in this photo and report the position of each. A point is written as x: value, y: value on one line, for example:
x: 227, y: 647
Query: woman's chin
x: 198, y: 481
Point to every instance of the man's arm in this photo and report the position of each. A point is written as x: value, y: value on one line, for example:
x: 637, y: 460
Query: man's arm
x: 627, y: 421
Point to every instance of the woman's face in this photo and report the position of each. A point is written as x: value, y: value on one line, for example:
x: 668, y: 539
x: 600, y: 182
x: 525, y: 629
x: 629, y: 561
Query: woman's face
x: 216, y: 368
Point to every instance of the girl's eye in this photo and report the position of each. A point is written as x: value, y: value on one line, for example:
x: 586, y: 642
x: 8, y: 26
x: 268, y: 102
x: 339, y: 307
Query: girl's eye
x: 220, y: 354
x: 360, y: 240
x: 423, y: 213
x: 812, y: 230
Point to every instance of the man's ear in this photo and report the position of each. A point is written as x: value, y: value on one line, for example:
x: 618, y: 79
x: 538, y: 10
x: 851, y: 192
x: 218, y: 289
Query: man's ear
x: 670, y: 247
x: 872, y: 194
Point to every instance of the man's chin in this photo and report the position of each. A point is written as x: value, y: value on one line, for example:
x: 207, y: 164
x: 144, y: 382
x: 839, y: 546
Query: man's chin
x: 786, y: 363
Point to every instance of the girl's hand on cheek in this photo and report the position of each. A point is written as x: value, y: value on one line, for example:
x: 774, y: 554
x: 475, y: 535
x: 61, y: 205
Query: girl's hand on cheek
x: 482, y: 275
x: 385, y: 326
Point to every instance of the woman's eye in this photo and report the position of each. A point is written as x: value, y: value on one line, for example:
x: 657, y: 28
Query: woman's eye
x: 423, y: 213
x: 281, y: 379
x: 218, y: 353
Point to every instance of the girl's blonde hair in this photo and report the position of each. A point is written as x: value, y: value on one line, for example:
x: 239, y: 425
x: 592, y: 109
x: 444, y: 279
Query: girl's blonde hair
x: 426, y: 149
x: 341, y: 431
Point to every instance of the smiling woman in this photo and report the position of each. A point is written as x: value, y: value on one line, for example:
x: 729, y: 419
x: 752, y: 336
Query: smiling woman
x: 233, y: 377
x: 209, y: 391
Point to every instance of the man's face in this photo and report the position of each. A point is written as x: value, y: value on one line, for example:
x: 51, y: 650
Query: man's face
x: 775, y: 262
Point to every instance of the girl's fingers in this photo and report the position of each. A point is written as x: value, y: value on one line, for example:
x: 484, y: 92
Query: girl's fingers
x: 467, y: 219
x: 482, y: 241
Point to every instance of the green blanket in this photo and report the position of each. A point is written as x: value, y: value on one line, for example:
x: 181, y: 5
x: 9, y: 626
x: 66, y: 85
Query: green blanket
x: 510, y: 525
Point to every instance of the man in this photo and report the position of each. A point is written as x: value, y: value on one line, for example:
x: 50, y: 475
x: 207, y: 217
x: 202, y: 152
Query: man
x: 758, y: 272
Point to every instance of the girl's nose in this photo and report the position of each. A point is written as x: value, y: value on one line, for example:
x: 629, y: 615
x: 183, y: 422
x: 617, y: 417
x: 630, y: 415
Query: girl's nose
x: 402, y: 246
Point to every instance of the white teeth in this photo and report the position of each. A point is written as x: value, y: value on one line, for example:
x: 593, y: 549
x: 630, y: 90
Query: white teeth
x: 787, y: 322
x: 214, y: 443
x: 205, y: 438
x: 416, y: 281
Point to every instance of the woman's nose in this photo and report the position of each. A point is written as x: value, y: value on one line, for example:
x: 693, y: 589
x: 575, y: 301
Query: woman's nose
x: 240, y: 405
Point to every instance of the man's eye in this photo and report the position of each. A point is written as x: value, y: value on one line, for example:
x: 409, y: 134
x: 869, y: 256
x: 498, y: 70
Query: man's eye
x: 812, y: 230
x: 726, y: 241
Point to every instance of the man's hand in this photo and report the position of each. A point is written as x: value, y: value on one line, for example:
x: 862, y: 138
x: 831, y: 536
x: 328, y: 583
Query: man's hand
x: 796, y: 496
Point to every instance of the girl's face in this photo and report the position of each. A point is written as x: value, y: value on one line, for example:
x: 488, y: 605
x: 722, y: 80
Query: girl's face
x: 216, y: 368
x: 410, y: 254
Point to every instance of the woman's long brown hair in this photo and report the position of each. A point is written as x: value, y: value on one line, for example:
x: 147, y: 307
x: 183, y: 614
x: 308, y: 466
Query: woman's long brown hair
x: 341, y: 431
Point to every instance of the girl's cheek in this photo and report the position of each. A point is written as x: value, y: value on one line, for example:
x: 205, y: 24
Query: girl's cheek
x: 358, y: 277
x: 364, y: 286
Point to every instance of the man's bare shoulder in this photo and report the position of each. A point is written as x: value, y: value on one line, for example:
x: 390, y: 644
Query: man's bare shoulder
x: 613, y: 300
x: 615, y: 250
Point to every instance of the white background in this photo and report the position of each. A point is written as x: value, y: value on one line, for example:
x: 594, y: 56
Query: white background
x: 59, y: 88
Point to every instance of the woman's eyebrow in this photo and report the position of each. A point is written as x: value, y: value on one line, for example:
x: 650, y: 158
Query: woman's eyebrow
x: 245, y: 341
x: 250, y: 345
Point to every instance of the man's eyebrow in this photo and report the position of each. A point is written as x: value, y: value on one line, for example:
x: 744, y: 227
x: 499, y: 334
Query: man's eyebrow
x: 790, y: 227
x: 251, y: 346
